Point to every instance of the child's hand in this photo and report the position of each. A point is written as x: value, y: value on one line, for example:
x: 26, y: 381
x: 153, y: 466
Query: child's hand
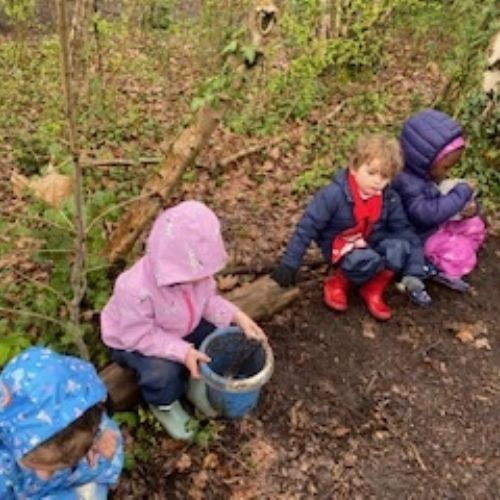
x: 472, y: 183
x: 104, y: 445
x: 469, y: 210
x: 193, y: 357
x: 360, y: 243
x: 251, y: 329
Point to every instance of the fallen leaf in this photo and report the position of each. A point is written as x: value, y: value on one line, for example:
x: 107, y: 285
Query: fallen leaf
x: 369, y: 329
x: 262, y: 454
x: 465, y: 335
x: 53, y: 188
x: 350, y: 459
x: 298, y: 416
x: 211, y: 461
x: 200, y: 480
x: 184, y: 463
x: 482, y: 343
x: 341, y: 432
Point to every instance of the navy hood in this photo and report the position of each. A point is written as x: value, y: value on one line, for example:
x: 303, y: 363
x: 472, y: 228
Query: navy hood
x: 424, y: 135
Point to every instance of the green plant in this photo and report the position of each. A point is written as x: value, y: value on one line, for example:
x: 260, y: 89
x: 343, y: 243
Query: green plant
x: 11, y: 342
x: 18, y: 10
x: 480, y: 117
x: 208, y: 433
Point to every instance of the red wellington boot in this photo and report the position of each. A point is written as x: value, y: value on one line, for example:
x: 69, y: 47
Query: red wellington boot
x: 372, y: 291
x: 335, y: 291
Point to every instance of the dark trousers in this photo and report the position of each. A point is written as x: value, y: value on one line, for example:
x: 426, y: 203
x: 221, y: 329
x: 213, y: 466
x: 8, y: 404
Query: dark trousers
x: 362, y: 264
x: 161, y: 381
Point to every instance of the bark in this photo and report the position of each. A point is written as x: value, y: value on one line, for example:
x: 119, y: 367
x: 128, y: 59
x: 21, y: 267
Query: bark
x: 79, y: 23
x: 263, y: 17
x: 260, y: 299
x: 325, y: 22
x: 491, y: 77
x: 160, y: 185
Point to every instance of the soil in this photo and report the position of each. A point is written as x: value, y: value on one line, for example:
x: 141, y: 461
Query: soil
x: 360, y: 409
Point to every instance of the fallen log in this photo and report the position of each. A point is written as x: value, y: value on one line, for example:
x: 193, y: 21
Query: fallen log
x: 156, y: 190
x: 260, y: 299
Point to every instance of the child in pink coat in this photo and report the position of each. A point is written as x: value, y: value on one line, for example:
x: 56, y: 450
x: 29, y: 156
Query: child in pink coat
x: 164, y: 306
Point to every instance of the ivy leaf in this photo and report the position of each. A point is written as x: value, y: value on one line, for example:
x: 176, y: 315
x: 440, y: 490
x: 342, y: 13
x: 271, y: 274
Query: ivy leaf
x: 230, y: 48
x: 249, y: 53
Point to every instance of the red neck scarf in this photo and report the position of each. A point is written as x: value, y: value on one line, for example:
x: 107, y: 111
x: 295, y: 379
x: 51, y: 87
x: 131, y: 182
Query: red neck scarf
x: 366, y: 213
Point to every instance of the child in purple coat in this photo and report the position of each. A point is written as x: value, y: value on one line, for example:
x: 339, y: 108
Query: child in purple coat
x: 444, y: 213
x: 165, y: 305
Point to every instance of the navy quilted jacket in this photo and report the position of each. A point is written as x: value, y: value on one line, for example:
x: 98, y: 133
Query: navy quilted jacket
x: 424, y: 135
x: 331, y: 211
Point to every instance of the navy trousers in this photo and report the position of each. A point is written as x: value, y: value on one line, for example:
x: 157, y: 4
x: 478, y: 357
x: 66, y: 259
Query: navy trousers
x: 362, y: 264
x: 161, y: 381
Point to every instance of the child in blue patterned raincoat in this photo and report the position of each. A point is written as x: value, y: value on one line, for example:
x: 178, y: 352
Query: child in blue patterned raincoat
x: 56, y: 441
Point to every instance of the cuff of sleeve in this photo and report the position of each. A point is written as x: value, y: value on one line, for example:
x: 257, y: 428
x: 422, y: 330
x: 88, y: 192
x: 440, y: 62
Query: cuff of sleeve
x: 177, y: 350
x: 465, y: 189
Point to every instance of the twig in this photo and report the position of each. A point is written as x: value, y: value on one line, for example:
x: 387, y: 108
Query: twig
x: 411, y: 447
x: 42, y: 285
x: 49, y: 223
x: 118, y: 205
x: 234, y: 457
x: 266, y: 268
x: 97, y: 268
x: 23, y: 312
x: 120, y: 162
x: 78, y: 276
x: 251, y: 150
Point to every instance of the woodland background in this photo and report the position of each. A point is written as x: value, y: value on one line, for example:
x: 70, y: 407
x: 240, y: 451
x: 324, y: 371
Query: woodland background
x: 110, y: 110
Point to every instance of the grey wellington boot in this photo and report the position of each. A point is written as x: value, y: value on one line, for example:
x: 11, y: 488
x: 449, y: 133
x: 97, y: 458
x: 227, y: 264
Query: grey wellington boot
x: 197, y: 394
x: 175, y: 420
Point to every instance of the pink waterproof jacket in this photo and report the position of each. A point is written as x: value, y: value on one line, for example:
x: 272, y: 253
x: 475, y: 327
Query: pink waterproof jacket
x: 163, y: 296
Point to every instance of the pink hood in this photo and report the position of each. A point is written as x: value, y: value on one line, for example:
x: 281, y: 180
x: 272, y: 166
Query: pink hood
x: 185, y: 244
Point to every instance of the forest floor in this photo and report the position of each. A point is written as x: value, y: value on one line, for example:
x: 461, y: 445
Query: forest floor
x: 359, y: 409
x: 356, y: 408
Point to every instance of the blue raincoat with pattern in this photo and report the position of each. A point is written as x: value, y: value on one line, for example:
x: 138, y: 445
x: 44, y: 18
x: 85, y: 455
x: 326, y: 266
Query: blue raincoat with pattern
x: 41, y: 393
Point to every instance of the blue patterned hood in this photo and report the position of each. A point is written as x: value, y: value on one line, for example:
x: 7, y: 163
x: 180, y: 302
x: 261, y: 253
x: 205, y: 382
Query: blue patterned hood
x: 41, y: 393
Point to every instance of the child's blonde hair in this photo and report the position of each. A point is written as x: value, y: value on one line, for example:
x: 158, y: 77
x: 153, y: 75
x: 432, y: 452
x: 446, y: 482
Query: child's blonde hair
x: 381, y: 147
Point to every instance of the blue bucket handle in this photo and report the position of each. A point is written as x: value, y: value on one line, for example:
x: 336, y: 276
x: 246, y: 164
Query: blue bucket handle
x: 220, y: 383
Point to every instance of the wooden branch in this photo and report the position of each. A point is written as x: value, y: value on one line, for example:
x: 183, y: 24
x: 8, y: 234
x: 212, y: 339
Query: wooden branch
x: 260, y: 268
x: 78, y: 275
x: 182, y: 152
x: 120, y: 162
x: 251, y: 150
x: 325, y: 22
x: 260, y: 299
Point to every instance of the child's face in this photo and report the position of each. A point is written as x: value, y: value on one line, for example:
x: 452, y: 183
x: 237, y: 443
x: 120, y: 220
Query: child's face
x: 370, y: 177
x: 43, y: 470
x: 439, y: 171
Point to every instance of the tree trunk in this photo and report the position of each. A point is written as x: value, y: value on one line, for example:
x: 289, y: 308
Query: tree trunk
x: 78, y: 273
x: 325, y: 22
x: 260, y: 299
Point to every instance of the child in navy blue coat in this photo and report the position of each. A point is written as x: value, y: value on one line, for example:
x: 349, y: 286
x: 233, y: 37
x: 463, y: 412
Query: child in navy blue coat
x: 432, y: 144
x: 360, y: 225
